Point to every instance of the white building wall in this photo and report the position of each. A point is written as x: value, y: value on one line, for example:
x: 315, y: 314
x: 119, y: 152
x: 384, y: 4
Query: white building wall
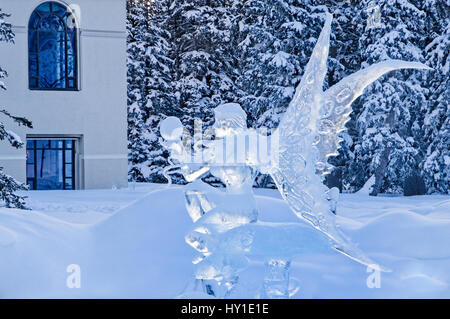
x: 97, y: 112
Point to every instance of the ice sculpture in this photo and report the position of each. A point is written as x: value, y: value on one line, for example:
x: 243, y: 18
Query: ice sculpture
x: 225, y: 222
x: 219, y: 216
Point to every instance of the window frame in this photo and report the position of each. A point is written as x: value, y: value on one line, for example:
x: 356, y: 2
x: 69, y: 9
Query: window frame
x: 65, y: 161
x: 76, y: 55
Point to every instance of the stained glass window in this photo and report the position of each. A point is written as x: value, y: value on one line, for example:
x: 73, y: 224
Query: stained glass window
x: 52, y: 48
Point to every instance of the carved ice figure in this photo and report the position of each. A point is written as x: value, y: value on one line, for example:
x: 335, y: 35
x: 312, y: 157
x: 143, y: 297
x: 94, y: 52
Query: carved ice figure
x: 219, y: 216
x: 226, y: 225
x: 222, y: 227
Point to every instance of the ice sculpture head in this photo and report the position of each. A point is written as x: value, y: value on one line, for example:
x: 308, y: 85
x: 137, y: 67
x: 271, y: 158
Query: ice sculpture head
x: 171, y: 129
x: 230, y: 119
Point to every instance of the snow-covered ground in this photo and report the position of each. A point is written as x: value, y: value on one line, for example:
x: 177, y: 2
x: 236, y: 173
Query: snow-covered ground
x: 129, y: 243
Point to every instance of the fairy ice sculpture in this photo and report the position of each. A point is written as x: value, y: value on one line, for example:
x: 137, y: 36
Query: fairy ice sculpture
x: 306, y: 136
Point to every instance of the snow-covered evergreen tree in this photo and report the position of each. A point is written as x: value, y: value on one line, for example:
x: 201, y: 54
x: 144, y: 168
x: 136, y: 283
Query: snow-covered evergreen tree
x: 204, y: 68
x: 202, y: 51
x: 436, y: 121
x: 275, y: 41
x: 8, y: 185
x: 158, y: 86
x: 137, y: 146
x: 345, y: 58
x: 187, y: 57
x: 387, y: 147
x: 149, y: 87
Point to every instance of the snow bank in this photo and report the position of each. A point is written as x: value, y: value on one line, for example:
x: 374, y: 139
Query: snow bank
x: 137, y: 249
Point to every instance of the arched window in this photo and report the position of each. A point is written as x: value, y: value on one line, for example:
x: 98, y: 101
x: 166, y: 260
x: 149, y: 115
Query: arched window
x: 52, y: 48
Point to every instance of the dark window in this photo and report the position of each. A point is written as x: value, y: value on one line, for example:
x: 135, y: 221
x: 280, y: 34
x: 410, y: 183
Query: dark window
x: 50, y: 164
x: 52, y: 48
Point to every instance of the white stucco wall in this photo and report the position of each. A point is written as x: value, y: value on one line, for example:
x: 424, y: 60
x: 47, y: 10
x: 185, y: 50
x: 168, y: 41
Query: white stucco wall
x: 97, y: 111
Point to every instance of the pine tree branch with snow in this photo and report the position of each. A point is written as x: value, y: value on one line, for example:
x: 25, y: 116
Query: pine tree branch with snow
x: 8, y: 185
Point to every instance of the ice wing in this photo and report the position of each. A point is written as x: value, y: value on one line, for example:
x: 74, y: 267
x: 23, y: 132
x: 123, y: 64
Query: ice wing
x: 301, y: 110
x: 336, y: 105
x: 294, y: 173
x: 308, y: 135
